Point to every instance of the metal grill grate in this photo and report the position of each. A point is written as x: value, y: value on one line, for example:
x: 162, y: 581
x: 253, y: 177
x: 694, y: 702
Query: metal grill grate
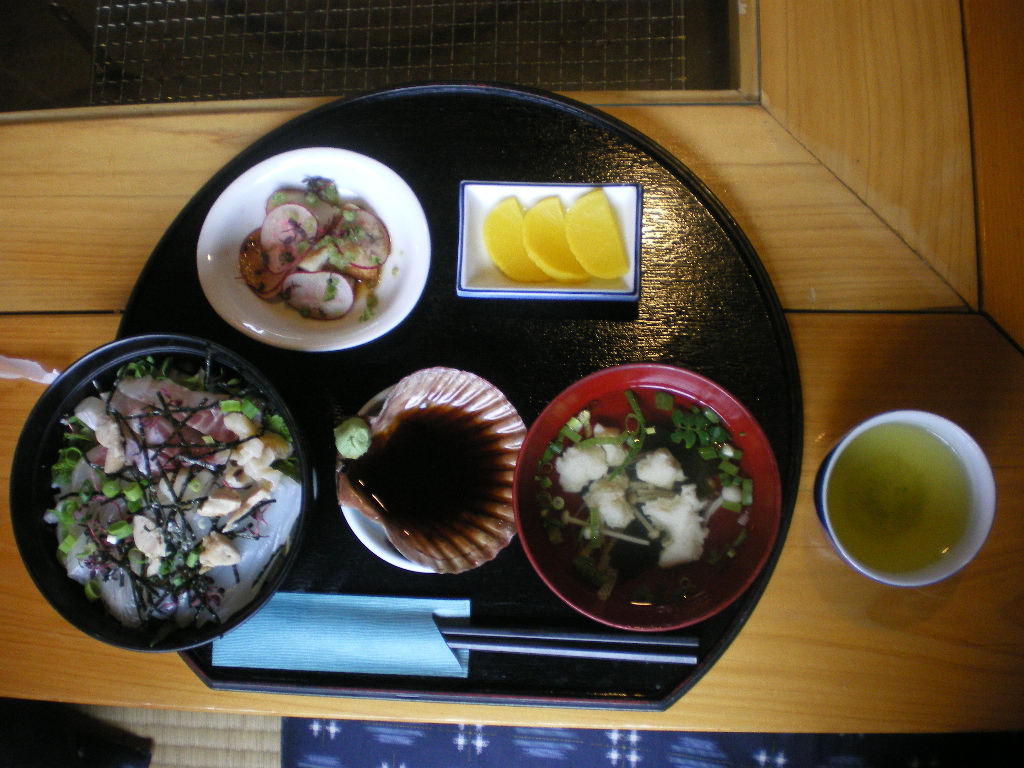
x: 176, y: 50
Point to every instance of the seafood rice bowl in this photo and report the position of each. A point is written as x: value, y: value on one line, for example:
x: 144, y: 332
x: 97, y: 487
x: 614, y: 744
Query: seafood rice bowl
x: 158, y: 492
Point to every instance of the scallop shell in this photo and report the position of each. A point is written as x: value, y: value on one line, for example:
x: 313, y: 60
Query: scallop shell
x: 477, y: 431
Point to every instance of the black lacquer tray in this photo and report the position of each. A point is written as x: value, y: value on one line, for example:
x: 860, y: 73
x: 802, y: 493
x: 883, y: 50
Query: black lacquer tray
x: 705, y: 304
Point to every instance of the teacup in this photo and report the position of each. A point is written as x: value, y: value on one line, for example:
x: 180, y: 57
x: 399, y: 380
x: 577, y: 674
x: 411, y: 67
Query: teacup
x: 907, y: 497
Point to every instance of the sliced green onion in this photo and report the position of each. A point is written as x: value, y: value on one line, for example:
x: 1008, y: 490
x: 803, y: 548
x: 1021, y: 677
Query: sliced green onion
x: 92, y: 589
x: 553, y: 449
x: 275, y: 423
x: 331, y: 291
x: 121, y: 529
x: 718, y: 434
x: 568, y: 432
x: 663, y: 400
x: 729, y: 468
x: 604, y: 440
x: 133, y: 492
x: 65, y: 512
x: 67, y: 543
x: 111, y: 488
x: 747, y: 489
x: 707, y: 452
x: 594, y: 524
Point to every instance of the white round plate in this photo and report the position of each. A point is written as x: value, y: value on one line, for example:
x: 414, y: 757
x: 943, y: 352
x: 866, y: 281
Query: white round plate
x: 240, y: 210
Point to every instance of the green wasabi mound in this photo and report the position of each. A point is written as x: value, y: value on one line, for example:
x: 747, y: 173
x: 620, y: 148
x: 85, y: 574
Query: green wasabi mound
x: 352, y: 437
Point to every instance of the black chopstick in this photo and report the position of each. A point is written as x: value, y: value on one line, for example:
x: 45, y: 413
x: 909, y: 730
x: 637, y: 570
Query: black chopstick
x: 663, y: 649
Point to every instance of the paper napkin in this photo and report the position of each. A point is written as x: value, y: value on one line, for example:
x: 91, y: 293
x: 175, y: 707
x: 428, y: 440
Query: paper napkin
x: 16, y: 368
x: 346, y: 633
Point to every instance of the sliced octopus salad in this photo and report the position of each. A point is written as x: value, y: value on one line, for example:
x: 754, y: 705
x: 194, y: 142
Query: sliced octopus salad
x: 173, y: 494
x: 315, y: 252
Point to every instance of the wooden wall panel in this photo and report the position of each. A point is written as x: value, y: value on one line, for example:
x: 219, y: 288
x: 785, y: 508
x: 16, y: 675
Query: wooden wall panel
x: 994, y: 33
x: 876, y: 90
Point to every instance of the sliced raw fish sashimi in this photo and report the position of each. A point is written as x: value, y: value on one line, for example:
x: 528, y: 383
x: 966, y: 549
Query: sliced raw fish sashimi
x: 193, y: 406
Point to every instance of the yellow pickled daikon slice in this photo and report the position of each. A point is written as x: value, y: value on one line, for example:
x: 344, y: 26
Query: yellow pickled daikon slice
x: 594, y: 237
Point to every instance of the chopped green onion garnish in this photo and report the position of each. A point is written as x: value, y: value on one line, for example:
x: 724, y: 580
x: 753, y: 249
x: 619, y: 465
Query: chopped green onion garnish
x: 111, y: 488
x: 275, y: 423
x: 747, y: 489
x: 133, y: 492
x: 663, y: 400
x: 67, y: 543
x: 595, y: 525
x: 122, y: 529
x: 570, y: 433
x: 729, y: 468
x: 65, y: 512
x: 92, y: 589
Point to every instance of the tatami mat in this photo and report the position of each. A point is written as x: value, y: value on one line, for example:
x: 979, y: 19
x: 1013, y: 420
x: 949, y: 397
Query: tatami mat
x: 200, y: 739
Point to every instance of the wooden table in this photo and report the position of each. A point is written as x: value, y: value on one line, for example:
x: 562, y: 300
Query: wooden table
x: 85, y: 196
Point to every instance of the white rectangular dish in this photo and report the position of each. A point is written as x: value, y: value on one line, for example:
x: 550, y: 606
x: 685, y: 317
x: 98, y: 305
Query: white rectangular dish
x: 478, y: 277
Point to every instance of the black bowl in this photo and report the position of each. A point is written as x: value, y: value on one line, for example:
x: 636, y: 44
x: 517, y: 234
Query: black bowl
x: 31, y: 491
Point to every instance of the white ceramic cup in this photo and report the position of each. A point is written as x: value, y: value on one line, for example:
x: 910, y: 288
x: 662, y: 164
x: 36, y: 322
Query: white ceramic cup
x: 981, y: 507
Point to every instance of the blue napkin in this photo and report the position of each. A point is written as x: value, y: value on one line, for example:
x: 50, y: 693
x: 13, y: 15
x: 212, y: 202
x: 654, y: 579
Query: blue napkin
x: 346, y: 633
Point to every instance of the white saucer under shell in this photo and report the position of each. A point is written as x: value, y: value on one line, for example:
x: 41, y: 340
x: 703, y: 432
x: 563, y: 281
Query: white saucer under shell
x: 375, y: 538
x: 240, y: 210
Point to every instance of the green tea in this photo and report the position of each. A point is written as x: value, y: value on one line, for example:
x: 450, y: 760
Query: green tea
x: 898, y: 498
